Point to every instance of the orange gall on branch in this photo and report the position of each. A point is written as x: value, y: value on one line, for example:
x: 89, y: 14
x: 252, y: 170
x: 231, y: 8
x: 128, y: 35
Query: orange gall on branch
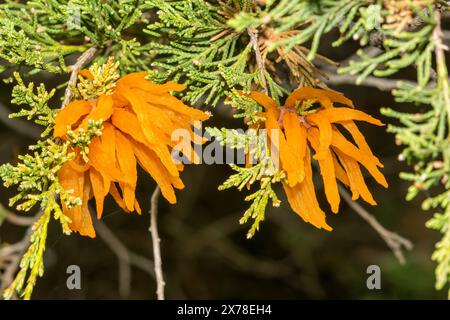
x: 309, y: 122
x: 138, y: 120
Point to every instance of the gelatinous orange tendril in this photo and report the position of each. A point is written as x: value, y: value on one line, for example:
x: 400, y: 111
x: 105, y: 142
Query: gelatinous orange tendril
x: 138, y: 120
x: 317, y: 130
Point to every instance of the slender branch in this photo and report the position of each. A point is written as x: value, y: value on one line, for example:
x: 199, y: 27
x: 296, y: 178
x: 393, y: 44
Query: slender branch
x: 9, y: 250
x: 79, y: 64
x: 395, y: 242
x: 122, y: 254
x: 143, y: 263
x: 19, y: 220
x: 382, y: 84
x: 259, y: 60
x: 10, y: 270
x: 13, y: 254
x: 15, y: 219
x: 441, y: 66
x: 371, y: 81
x: 156, y: 244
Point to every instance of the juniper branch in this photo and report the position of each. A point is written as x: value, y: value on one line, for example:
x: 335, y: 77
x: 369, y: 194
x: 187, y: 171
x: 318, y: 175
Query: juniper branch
x: 370, y: 81
x: 82, y: 60
x: 259, y: 60
x: 19, y: 220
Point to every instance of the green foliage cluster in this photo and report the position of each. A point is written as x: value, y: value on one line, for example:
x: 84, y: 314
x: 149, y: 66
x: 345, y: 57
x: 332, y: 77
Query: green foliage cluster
x: 267, y: 176
x: 202, y: 51
x: 32, y: 262
x: 260, y: 169
x: 36, y: 104
x: 40, y: 33
x: 103, y: 81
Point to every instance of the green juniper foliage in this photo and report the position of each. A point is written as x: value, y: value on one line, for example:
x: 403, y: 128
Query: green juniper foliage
x: 40, y: 34
x: 37, y: 104
x: 260, y: 169
x: 220, y: 49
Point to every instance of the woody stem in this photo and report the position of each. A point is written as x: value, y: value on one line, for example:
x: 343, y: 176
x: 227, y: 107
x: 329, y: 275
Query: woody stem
x: 156, y: 244
x: 259, y: 60
x: 79, y: 64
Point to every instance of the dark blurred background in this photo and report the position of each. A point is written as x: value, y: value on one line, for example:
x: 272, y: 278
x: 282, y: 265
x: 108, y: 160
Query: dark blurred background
x: 205, y: 251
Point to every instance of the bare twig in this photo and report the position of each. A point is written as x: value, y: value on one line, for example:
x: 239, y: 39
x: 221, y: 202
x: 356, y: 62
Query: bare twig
x: 259, y: 61
x: 13, y: 255
x: 122, y: 253
x: 395, y: 242
x: 10, y: 270
x: 19, y: 220
x: 381, y: 84
x: 79, y: 64
x: 442, y: 72
x: 156, y: 244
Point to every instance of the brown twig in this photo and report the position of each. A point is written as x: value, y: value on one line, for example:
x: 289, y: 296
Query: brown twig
x: 156, y: 244
x: 259, y: 60
x: 446, y: 35
x: 395, y: 242
x: 79, y: 64
x: 11, y: 268
x: 19, y: 220
x: 381, y: 84
x: 15, y: 219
